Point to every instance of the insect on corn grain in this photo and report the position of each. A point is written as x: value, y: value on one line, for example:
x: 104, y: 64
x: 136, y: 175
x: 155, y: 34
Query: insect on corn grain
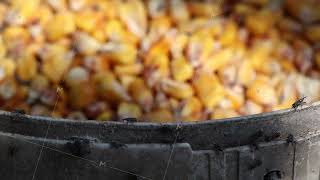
x: 300, y: 102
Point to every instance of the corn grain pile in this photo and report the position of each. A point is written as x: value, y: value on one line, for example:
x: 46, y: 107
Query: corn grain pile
x: 157, y: 60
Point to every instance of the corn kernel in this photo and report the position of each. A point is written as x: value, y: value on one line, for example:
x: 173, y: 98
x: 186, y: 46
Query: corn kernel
x: 87, y: 20
x: 58, y: 5
x: 60, y: 25
x: 126, y: 81
x: 27, y: 67
x: 179, y: 10
x: 181, y: 69
x: 123, y: 53
x: 251, y: 107
x: 287, y: 96
x: 133, y: 69
x: 141, y: 94
x: 218, y: 60
x: 176, y: 89
x: 105, y: 116
x: 39, y: 82
x: 191, y: 109
x: 109, y: 88
x: 260, y: 23
x: 209, y: 89
x: 159, y: 115
x: 236, y: 96
x: 86, y: 44
x: 3, y: 49
x: 229, y: 35
x: 160, y: 62
x: 44, y: 14
x: 8, y: 89
x: 262, y: 93
x: 77, y: 75
x: 8, y: 67
x: 135, y: 17
x: 26, y: 10
x: 246, y: 73
x: 56, y: 63
x: 313, y: 33
x: 223, y: 113
x: 13, y: 33
x: 81, y: 90
x: 129, y: 110
x: 317, y: 59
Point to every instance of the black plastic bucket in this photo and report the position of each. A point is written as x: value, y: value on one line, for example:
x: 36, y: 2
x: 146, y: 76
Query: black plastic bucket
x: 277, y: 145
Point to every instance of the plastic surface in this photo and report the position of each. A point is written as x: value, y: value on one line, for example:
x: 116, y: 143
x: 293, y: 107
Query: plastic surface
x: 277, y: 145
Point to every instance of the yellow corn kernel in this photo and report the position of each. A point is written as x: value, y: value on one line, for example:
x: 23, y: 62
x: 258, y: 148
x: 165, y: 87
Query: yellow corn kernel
x: 86, y: 44
x: 287, y: 96
x: 105, y: 116
x: 179, y: 11
x: 262, y: 93
x: 141, y: 94
x: 205, y: 9
x: 76, y: 91
x: 115, y: 31
x: 176, y: 89
x: 160, y: 62
x: 251, y: 107
x: 126, y: 81
x: 313, y: 33
x: 220, y: 113
x: 44, y: 14
x: 3, y: 49
x: 123, y: 53
x: 56, y: 63
x: 258, y: 2
x: 191, y: 109
x: 87, y: 20
x: 259, y: 54
x: 260, y: 22
x: 209, y: 89
x: 134, y: 15
x: 26, y: 10
x: 60, y: 25
x: 158, y: 49
x: 27, y: 67
x: 317, y: 59
x: 246, y: 73
x: 133, y: 69
x: 159, y: 115
x: 200, y: 47
x: 181, y: 69
x: 178, y: 44
x: 39, y: 82
x: 244, y: 9
x: 13, y: 33
x: 129, y: 110
x: 8, y: 67
x: 236, y: 98
x: 287, y: 65
x: 99, y: 35
x: 218, y: 60
x: 229, y: 35
x: 8, y: 89
x: 160, y: 25
x: 109, y: 88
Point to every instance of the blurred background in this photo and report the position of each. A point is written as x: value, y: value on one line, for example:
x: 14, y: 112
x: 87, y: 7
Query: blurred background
x: 158, y: 60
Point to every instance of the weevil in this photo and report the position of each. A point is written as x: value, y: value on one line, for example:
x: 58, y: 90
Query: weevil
x: 300, y: 102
